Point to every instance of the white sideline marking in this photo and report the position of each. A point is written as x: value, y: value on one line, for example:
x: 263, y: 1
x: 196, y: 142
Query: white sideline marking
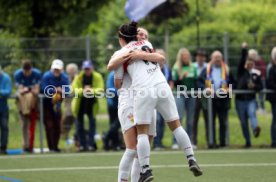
x: 115, y: 167
x: 223, y: 151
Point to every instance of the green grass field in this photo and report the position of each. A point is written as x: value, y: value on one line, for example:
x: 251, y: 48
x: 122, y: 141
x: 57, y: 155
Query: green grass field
x: 218, y: 165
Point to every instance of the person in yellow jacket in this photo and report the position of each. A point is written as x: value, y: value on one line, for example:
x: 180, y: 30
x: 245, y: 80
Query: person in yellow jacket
x: 86, y: 86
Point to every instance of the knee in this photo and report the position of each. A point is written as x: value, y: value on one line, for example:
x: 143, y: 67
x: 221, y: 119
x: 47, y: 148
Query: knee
x: 174, y: 125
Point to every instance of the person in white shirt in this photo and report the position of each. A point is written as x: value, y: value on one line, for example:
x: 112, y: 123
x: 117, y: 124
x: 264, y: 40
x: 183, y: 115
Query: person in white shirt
x: 151, y: 91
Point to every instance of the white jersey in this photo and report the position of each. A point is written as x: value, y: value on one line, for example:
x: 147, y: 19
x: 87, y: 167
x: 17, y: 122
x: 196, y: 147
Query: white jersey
x: 144, y: 74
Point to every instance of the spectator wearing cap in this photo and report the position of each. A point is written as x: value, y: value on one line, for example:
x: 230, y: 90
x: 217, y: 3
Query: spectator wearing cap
x: 87, y: 84
x: 249, y: 79
x: 5, y: 91
x: 217, y: 78
x: 271, y: 84
x: 27, y: 81
x: 200, y: 64
x: 68, y: 117
x: 54, y: 84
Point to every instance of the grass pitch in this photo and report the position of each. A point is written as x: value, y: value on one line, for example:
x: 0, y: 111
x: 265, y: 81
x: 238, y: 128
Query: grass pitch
x: 258, y: 165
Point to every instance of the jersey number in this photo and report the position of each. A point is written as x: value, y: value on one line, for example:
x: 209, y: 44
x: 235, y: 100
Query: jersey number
x: 148, y: 50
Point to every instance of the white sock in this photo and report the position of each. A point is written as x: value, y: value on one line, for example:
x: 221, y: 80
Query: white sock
x: 143, y: 151
x: 125, y: 165
x: 184, y: 142
x: 135, y: 171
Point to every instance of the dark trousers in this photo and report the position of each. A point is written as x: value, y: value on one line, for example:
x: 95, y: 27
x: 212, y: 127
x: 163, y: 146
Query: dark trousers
x: 4, y: 129
x: 273, y: 125
x: 81, y: 133
x: 160, y: 129
x: 220, y: 109
x: 113, y: 132
x: 198, y: 108
x: 52, y: 121
x: 66, y: 126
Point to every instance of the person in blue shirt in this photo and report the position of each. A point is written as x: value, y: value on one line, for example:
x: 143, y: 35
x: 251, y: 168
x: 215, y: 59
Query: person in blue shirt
x: 5, y: 91
x: 27, y: 81
x: 54, y: 85
x: 112, y: 134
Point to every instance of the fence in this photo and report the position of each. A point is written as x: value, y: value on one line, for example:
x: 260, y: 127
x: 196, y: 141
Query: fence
x: 76, y: 49
x: 210, y: 118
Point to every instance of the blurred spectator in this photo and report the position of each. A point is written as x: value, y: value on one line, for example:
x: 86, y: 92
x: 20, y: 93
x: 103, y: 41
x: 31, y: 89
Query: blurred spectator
x: 87, y: 83
x: 200, y: 64
x: 68, y: 117
x: 184, y: 73
x: 27, y: 81
x: 261, y: 66
x: 54, y: 84
x: 111, y: 137
x: 271, y: 83
x: 249, y: 78
x: 5, y: 91
x: 217, y: 75
x: 160, y: 123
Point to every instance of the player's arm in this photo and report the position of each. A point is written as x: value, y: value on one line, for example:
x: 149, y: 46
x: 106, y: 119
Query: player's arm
x: 118, y: 77
x: 142, y: 55
x: 115, y: 62
x: 118, y: 83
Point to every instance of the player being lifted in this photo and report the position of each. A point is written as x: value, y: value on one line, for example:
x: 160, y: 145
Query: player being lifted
x: 125, y: 109
x: 147, y: 78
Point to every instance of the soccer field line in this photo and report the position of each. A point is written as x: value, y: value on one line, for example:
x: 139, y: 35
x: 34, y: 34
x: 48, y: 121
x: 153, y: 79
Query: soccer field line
x: 224, y: 151
x: 116, y: 167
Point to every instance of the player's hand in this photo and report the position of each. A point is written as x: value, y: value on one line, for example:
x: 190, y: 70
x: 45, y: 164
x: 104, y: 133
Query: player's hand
x: 59, y: 90
x: 134, y: 56
x: 244, y: 45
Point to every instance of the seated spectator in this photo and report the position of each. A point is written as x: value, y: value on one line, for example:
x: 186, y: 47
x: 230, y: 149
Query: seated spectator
x: 27, y: 81
x: 271, y: 84
x: 5, y: 91
x: 216, y: 76
x: 184, y: 73
x: 88, y: 82
x: 249, y: 78
x: 68, y: 117
x: 54, y: 84
x: 111, y: 137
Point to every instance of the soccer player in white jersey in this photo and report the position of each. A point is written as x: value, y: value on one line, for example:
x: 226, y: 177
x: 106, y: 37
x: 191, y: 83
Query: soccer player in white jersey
x: 149, y: 82
x: 125, y: 111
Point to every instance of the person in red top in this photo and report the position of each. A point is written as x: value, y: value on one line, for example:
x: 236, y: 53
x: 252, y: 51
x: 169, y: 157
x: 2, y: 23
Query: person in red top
x: 261, y: 66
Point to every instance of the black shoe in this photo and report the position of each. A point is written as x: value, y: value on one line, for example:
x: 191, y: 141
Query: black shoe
x: 3, y: 152
x: 146, y: 176
x: 257, y: 132
x: 195, y: 168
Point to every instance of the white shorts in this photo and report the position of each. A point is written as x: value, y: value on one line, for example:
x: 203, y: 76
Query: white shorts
x: 126, y: 118
x: 159, y: 97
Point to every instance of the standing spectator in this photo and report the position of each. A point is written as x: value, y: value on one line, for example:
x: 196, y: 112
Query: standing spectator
x: 246, y: 105
x: 200, y: 64
x: 27, y: 81
x: 86, y: 83
x: 160, y: 123
x: 54, y: 84
x: 184, y: 73
x: 68, y: 117
x: 271, y: 83
x: 217, y: 75
x: 5, y: 91
x: 261, y: 66
x: 112, y: 134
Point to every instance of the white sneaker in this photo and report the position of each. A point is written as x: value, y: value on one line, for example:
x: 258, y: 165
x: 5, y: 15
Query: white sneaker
x: 175, y: 147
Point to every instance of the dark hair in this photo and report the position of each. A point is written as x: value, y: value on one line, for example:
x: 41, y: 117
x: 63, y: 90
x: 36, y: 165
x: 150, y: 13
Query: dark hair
x: 26, y: 64
x: 128, y: 31
x: 201, y: 52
